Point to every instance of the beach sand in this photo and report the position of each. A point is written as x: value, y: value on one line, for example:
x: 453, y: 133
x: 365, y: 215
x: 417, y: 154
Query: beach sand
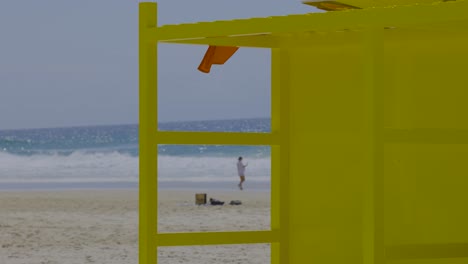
x: 101, y: 226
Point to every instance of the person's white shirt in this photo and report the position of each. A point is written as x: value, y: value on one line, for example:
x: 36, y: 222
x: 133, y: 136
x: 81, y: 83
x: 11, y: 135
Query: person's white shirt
x: 241, y: 168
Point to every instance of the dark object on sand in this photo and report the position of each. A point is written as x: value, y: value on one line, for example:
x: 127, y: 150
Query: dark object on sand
x: 200, y: 198
x: 235, y: 202
x: 216, y: 202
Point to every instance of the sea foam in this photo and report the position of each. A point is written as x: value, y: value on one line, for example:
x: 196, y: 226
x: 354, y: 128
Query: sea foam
x: 82, y: 166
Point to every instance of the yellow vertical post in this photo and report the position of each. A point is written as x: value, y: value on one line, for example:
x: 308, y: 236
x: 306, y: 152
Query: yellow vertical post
x: 147, y: 131
x: 282, y: 69
x: 275, y: 151
x: 378, y: 128
x: 280, y: 155
x: 373, y: 220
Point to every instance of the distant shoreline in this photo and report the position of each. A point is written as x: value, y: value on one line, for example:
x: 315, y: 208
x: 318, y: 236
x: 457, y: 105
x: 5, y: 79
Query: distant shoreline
x: 129, y: 124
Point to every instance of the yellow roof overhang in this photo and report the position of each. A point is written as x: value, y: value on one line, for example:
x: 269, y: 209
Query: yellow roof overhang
x: 347, y: 4
x: 426, y: 20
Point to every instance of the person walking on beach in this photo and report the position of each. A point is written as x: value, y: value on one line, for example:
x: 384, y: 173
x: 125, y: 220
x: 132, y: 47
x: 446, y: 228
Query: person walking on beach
x: 241, y: 172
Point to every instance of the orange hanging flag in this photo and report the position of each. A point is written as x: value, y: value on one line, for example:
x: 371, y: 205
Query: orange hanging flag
x: 216, y: 55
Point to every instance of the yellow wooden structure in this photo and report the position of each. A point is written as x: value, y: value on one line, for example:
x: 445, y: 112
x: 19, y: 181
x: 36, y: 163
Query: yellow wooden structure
x: 369, y: 132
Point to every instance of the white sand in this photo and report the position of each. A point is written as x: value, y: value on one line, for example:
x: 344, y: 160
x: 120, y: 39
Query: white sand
x: 101, y: 226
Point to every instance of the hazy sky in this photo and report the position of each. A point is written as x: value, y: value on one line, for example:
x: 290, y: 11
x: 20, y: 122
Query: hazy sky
x: 72, y: 63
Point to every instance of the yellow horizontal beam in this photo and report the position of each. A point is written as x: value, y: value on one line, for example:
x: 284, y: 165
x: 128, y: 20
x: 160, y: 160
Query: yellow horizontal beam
x: 216, y: 238
x: 451, y: 11
x: 426, y: 136
x: 252, y: 41
x: 216, y: 138
x: 310, y: 39
x: 427, y: 251
x: 277, y: 41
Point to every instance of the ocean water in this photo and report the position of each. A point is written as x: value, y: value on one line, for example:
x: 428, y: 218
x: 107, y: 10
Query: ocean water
x: 107, y: 157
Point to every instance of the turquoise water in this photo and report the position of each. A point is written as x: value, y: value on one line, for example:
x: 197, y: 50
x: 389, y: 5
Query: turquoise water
x: 107, y: 157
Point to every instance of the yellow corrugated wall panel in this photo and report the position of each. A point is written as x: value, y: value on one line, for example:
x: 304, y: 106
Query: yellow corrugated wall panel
x: 426, y: 178
x: 329, y: 154
x: 425, y: 91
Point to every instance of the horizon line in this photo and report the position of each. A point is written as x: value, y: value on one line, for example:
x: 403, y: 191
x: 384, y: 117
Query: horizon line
x: 129, y: 124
